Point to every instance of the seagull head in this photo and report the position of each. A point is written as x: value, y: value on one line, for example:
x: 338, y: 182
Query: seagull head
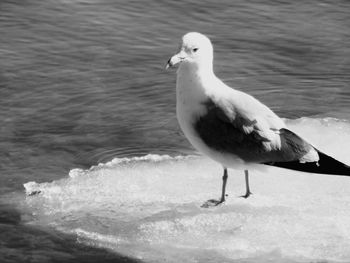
x: 196, y: 52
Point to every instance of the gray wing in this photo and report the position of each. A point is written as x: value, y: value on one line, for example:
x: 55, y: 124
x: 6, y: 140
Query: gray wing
x: 252, y: 139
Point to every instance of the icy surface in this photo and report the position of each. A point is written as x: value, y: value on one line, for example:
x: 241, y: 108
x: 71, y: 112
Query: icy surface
x: 149, y: 207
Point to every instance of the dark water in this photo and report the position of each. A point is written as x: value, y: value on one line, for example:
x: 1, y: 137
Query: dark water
x: 82, y: 82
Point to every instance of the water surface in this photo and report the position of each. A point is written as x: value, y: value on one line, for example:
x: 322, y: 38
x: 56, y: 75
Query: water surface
x: 82, y: 83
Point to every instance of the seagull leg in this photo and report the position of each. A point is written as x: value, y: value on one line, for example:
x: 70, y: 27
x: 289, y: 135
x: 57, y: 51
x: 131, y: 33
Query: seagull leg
x: 214, y: 202
x: 247, y: 190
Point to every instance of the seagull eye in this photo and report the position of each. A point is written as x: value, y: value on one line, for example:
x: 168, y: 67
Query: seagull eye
x: 195, y: 49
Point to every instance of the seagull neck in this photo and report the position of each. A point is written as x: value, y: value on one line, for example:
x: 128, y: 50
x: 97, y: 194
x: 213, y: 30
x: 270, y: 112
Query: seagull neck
x: 193, y: 84
x: 205, y: 69
x: 198, y: 71
x: 192, y: 75
x: 206, y: 72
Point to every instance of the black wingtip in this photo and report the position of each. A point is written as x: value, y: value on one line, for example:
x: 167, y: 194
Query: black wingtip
x: 325, y: 165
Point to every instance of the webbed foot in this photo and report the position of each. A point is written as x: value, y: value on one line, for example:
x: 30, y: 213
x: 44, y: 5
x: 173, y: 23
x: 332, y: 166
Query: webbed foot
x: 212, y: 202
x: 247, y: 194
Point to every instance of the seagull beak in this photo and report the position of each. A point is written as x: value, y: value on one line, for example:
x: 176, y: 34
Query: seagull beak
x: 176, y: 59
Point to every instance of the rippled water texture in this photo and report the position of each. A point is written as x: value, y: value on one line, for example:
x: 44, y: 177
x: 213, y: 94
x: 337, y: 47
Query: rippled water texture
x: 83, y: 82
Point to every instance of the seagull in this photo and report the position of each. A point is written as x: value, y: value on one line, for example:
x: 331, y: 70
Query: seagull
x: 232, y: 127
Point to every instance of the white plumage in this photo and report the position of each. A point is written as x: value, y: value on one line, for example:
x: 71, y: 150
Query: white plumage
x: 228, y: 125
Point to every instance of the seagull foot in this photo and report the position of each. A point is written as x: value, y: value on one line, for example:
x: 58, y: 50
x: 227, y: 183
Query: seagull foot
x: 212, y: 202
x: 246, y: 195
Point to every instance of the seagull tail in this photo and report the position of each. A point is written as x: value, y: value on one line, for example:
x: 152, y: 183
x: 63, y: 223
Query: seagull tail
x: 325, y: 165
